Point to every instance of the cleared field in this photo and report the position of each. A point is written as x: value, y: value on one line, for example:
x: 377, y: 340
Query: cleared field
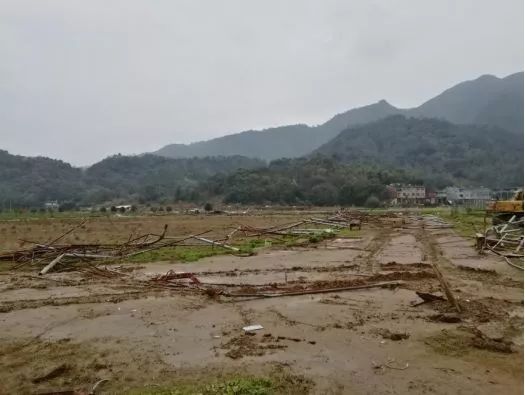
x: 117, y: 229
x: 69, y: 330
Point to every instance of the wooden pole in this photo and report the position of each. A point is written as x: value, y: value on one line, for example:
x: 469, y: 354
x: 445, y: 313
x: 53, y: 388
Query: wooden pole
x: 51, y: 264
x: 446, y: 288
x: 216, y: 243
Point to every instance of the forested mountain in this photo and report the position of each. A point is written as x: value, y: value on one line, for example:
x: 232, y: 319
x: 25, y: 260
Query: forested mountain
x: 29, y: 182
x: 438, y: 151
x: 151, y: 177
x: 25, y: 181
x: 487, y: 100
x: 317, y: 180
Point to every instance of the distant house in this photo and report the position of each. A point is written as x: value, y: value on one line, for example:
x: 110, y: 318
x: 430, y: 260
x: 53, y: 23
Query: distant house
x: 407, y: 194
x: 124, y: 207
x: 468, y: 197
x: 431, y: 196
x: 51, y: 205
x: 441, y: 197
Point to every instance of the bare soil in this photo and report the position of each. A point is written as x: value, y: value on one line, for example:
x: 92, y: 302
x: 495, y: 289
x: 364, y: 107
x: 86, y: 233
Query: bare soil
x: 66, y: 331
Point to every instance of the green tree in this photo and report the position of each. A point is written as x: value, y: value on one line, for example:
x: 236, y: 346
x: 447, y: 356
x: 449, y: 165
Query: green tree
x: 372, y: 202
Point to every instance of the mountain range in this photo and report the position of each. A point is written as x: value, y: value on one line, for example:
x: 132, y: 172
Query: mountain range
x: 487, y: 100
x: 470, y: 135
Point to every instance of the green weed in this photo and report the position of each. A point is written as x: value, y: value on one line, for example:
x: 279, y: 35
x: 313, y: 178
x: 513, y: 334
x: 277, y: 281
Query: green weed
x: 235, y: 386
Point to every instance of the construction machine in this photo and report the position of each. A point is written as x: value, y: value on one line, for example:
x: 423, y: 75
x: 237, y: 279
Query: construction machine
x: 505, y: 210
x: 505, y: 236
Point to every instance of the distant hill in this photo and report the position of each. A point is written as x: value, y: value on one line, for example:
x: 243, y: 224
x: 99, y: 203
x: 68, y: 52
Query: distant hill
x: 253, y: 143
x: 24, y: 180
x: 438, y: 151
x: 151, y: 177
x: 29, y: 182
x: 487, y: 100
x: 281, y: 142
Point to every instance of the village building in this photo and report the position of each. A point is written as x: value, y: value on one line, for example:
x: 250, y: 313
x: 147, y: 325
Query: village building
x: 124, y: 207
x: 402, y: 194
x: 468, y: 197
x: 51, y: 205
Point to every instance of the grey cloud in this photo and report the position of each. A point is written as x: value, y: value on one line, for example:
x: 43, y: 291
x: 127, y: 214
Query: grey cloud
x: 80, y: 80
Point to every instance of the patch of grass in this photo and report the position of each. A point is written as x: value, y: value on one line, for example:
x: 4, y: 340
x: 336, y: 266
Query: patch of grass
x: 244, y: 386
x: 194, y: 253
x: 346, y: 232
x: 181, y: 254
x: 276, y: 383
x: 318, y: 237
x: 27, y: 215
x: 233, y: 386
x: 465, y: 222
x: 246, y: 246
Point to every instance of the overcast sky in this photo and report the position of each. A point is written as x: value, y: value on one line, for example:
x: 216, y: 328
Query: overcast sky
x: 80, y: 80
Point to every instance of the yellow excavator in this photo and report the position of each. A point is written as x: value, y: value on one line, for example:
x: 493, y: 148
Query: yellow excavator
x: 505, y: 210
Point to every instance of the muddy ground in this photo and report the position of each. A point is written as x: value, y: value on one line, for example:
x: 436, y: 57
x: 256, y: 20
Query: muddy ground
x: 65, y: 331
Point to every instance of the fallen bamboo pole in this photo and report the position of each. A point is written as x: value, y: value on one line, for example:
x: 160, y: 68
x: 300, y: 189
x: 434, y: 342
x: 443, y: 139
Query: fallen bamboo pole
x: 229, y: 247
x: 51, y: 264
x: 513, y: 264
x: 316, y: 291
x: 450, y: 296
x: 327, y: 223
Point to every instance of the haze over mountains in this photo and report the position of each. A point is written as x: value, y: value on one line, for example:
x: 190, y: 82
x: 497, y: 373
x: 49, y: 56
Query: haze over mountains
x: 471, y: 135
x: 487, y: 100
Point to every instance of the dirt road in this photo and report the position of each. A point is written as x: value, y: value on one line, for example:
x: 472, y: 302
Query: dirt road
x: 67, y: 330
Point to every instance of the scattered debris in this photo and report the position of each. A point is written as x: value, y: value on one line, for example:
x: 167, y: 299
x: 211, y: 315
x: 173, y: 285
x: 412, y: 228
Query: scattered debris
x: 389, y: 364
x: 427, y: 297
x: 387, y: 334
x: 314, y: 291
x: 172, y: 275
x: 252, y: 328
x: 477, y: 269
x: 241, y: 346
x: 51, y: 254
x: 97, y: 384
x: 505, y: 239
x: 449, y: 318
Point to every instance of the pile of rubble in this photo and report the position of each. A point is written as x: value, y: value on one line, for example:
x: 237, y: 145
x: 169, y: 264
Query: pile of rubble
x: 506, y: 240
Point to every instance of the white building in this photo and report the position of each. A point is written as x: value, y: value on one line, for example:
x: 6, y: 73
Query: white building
x: 411, y: 192
x: 468, y: 197
x: 455, y: 194
x: 407, y: 194
x: 52, y: 205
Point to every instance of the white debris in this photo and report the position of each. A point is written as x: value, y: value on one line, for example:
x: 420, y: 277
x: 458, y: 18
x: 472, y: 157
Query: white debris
x: 251, y: 328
